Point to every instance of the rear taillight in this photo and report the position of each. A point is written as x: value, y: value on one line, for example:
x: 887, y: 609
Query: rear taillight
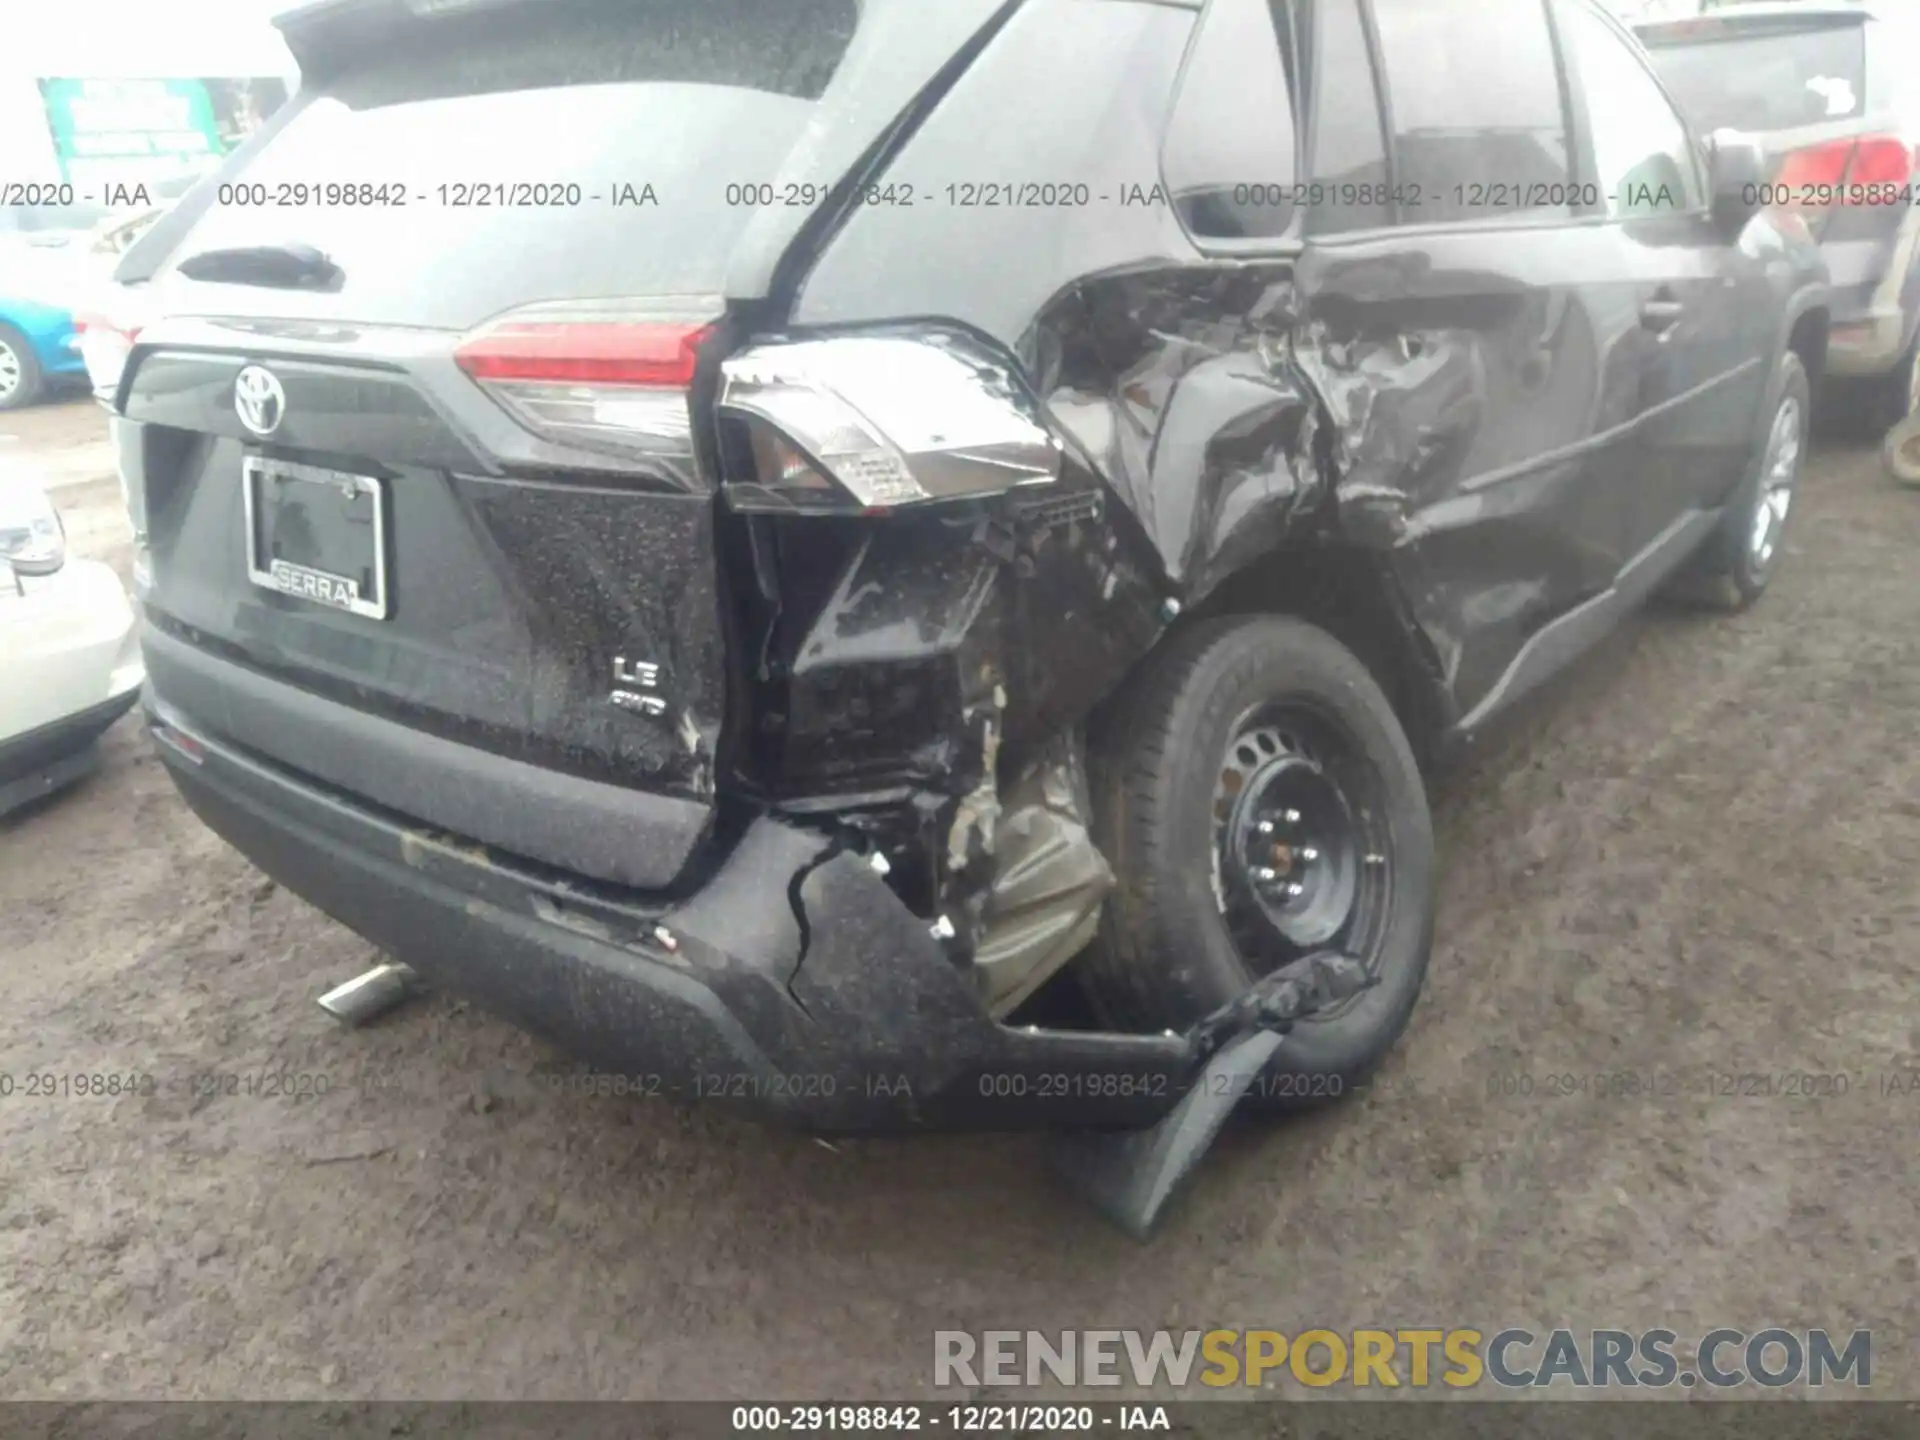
x: 1870, y: 170
x: 1881, y: 160
x: 1816, y: 168
x: 607, y: 375
x: 871, y: 422
x: 105, y: 346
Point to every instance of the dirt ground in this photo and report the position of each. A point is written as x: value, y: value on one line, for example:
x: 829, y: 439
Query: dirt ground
x: 1694, y: 859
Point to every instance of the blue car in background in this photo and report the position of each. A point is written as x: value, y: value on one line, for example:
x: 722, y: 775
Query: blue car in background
x: 50, y: 262
x: 57, y: 262
x: 39, y: 348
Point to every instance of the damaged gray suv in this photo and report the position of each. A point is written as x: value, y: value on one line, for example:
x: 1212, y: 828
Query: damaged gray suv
x: 904, y: 563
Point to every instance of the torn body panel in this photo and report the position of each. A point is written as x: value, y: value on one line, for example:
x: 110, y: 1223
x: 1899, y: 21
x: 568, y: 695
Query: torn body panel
x: 1179, y: 383
x: 1492, y: 416
x: 1479, y: 413
x: 1513, y: 428
x: 1358, y: 401
x: 945, y: 659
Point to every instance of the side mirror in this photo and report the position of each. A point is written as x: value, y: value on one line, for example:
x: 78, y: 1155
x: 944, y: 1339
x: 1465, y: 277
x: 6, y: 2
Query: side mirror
x: 1736, y: 179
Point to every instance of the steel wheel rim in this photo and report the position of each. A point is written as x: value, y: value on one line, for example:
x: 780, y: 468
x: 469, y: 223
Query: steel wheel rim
x: 1302, y: 855
x: 1778, y: 474
x: 10, y: 370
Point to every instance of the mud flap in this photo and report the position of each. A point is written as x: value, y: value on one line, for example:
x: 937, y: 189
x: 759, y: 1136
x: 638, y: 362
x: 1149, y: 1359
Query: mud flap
x: 1131, y: 1176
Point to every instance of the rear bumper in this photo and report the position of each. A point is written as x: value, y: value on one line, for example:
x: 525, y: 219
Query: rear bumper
x: 627, y: 836
x: 794, y: 982
x: 54, y: 756
x: 69, y: 663
x: 1867, y: 345
x: 1874, y: 287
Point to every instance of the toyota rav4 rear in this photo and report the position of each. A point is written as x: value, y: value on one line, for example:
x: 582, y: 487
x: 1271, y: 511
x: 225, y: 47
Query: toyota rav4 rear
x: 892, y: 559
x: 517, y: 590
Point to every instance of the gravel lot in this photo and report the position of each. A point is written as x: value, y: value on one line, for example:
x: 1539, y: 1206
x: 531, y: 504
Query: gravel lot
x: 1694, y: 858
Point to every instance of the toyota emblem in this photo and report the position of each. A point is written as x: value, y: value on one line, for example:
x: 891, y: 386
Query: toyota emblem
x: 259, y: 399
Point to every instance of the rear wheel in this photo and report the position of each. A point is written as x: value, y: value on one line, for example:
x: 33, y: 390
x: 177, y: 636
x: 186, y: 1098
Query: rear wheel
x: 20, y: 378
x: 1259, y: 802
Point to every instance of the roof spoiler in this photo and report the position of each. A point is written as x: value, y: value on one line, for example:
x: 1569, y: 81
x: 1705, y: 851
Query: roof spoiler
x: 329, y: 34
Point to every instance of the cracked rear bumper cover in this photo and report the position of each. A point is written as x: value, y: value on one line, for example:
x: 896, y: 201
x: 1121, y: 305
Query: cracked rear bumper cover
x: 858, y: 1023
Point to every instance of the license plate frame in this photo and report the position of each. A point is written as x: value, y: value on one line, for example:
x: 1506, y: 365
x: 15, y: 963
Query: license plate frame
x: 317, y: 586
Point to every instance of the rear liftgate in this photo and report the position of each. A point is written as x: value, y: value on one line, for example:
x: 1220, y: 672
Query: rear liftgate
x: 944, y: 590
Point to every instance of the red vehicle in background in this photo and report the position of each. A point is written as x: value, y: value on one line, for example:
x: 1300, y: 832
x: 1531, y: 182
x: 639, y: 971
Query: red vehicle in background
x: 1832, y: 93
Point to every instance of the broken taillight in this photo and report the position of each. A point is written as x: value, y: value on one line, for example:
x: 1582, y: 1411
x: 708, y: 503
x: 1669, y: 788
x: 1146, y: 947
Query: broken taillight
x: 606, y: 375
x: 871, y: 422
x: 105, y: 346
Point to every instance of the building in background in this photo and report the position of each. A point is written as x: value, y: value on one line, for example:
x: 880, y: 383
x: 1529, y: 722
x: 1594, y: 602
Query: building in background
x: 105, y: 100
x: 153, y: 130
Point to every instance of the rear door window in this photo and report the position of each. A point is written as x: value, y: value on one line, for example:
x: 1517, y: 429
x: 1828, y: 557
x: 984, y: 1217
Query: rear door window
x: 1643, y: 160
x: 1228, y: 156
x: 1479, y: 121
x: 553, y: 150
x: 1349, y: 143
x: 1776, y: 79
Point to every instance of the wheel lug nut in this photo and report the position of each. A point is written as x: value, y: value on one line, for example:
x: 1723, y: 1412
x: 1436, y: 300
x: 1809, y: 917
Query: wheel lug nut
x: 1309, y: 854
x: 1265, y: 827
x: 1266, y: 876
x: 1293, y: 817
x: 1296, y: 889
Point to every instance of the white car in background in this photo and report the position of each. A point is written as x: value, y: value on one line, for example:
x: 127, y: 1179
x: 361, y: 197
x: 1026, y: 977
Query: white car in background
x: 69, y: 652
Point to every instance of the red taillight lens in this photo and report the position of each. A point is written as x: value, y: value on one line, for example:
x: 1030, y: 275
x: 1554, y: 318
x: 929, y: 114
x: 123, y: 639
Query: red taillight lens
x: 605, y: 375
x: 1816, y: 167
x: 661, y: 355
x: 1881, y: 160
x: 1845, y: 172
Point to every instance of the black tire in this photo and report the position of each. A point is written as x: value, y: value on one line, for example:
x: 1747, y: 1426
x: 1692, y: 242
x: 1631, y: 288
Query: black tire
x: 30, y: 383
x: 1729, y: 572
x: 1167, y: 953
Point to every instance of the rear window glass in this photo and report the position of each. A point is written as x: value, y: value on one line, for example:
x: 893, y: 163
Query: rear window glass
x: 1480, y: 132
x: 1349, y: 145
x: 1229, y: 156
x: 1763, y: 82
x: 547, y: 150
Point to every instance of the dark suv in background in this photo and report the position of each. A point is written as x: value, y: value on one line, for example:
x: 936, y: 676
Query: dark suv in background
x: 762, y: 539
x: 1832, y: 92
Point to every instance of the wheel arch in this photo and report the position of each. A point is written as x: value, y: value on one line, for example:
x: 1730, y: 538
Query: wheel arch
x: 1350, y: 593
x: 1806, y: 335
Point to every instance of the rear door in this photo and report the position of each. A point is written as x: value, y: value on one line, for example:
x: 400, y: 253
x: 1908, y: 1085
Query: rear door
x: 1704, y: 318
x: 1474, y: 330
x: 415, y: 438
